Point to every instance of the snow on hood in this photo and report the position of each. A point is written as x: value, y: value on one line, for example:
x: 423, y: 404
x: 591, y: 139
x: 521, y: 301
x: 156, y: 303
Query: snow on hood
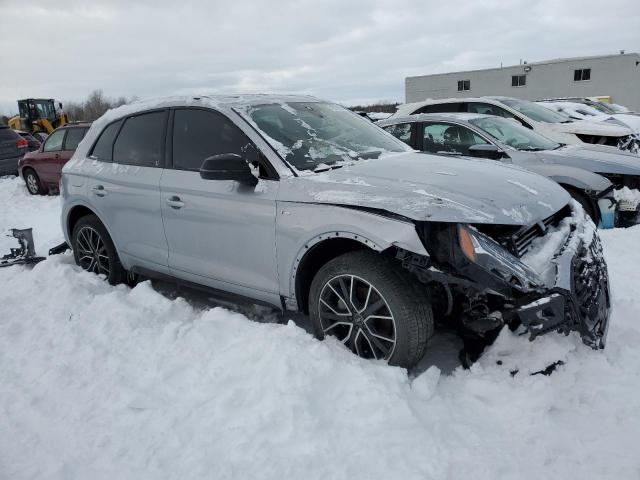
x: 586, y: 127
x: 595, y: 158
x: 434, y: 188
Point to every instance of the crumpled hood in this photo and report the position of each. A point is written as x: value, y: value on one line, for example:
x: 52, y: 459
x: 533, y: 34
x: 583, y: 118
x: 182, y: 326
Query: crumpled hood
x: 594, y: 158
x: 586, y: 127
x: 433, y: 188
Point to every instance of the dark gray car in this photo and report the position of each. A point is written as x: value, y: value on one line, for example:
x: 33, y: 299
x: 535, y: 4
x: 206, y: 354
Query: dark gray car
x: 305, y: 206
x: 12, y: 149
x: 595, y: 175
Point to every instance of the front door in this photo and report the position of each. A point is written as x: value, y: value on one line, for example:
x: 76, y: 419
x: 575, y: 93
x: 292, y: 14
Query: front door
x: 220, y: 233
x: 49, y: 156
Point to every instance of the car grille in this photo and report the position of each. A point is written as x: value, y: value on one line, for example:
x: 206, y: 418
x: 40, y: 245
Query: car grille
x: 601, y: 140
x: 520, y: 242
x: 590, y: 292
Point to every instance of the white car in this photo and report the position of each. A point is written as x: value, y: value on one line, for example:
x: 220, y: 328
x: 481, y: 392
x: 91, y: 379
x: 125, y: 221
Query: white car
x: 582, y: 111
x: 553, y: 125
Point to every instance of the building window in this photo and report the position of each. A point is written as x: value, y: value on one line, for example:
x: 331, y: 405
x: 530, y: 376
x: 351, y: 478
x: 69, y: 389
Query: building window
x: 582, y: 75
x: 518, y: 80
x: 464, y: 85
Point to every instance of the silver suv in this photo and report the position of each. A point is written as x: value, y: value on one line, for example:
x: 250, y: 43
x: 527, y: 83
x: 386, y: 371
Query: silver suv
x: 305, y: 206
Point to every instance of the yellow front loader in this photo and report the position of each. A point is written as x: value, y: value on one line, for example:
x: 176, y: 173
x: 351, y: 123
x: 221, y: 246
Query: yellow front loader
x: 38, y: 115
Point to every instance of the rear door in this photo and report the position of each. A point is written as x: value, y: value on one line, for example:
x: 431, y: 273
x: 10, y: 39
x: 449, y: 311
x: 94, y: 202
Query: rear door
x: 71, y: 141
x: 220, y: 233
x: 125, y: 187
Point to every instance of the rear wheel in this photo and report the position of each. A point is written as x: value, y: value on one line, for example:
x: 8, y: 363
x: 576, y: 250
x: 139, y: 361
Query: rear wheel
x: 93, y: 250
x: 371, y: 305
x: 32, y: 181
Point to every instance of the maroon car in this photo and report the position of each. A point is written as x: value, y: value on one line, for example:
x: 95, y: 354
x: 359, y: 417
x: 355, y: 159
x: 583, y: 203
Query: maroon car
x: 41, y: 169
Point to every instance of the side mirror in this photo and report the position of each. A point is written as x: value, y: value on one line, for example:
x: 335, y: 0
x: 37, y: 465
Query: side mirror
x: 60, y: 105
x: 485, y: 150
x: 228, y: 166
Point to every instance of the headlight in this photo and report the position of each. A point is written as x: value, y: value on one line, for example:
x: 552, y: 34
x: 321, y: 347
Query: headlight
x: 495, y: 259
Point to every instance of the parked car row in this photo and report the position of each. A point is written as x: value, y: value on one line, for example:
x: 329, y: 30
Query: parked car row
x: 554, y: 125
x: 303, y: 205
x: 585, y: 171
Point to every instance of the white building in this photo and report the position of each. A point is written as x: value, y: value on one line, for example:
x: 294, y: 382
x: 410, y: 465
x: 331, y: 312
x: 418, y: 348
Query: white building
x: 613, y: 76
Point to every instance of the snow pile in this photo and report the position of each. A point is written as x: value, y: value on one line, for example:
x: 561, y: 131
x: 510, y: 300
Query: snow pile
x: 627, y: 198
x: 109, y: 382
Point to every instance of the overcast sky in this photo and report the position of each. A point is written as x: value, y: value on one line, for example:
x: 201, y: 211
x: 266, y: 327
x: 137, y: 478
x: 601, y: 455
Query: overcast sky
x: 343, y: 50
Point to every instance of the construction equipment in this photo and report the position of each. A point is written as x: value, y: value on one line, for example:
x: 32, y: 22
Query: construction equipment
x: 38, y: 116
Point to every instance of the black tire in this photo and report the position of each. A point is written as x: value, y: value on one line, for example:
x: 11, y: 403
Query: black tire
x: 93, y: 250
x: 585, y: 201
x: 405, y: 299
x: 32, y: 181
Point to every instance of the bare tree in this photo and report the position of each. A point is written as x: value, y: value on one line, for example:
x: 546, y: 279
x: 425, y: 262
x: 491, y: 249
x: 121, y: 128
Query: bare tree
x: 93, y: 107
x: 378, y: 107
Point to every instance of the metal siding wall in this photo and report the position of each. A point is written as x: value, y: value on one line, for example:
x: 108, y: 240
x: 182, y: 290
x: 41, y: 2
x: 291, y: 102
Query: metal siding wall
x: 617, y: 76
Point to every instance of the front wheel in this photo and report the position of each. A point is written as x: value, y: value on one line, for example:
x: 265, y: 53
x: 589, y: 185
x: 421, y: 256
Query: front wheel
x: 374, y: 307
x: 93, y: 250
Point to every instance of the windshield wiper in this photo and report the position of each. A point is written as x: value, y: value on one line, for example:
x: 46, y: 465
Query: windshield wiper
x: 326, y: 168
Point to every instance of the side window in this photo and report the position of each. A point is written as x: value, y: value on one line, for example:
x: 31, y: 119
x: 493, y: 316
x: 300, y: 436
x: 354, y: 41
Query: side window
x: 198, y: 134
x: 54, y: 141
x: 141, y: 139
x: 74, y: 135
x: 443, y: 137
x: 441, y: 108
x: 103, y: 149
x: 401, y: 131
x: 485, y: 108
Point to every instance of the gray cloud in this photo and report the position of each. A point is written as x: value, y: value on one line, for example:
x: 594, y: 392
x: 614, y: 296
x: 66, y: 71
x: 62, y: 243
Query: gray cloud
x: 341, y: 50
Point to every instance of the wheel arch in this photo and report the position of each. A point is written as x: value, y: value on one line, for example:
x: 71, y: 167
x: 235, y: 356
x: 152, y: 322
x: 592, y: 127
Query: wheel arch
x: 317, y: 252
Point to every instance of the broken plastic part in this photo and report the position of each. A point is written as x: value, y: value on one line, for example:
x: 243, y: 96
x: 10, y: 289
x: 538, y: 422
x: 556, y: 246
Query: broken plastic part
x: 25, y: 253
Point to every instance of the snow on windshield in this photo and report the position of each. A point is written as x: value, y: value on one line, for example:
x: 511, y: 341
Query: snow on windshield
x: 534, y: 111
x: 318, y: 136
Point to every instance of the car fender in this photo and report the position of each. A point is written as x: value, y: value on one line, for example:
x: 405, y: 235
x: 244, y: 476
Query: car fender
x: 572, y: 176
x: 302, y: 226
x: 68, y: 206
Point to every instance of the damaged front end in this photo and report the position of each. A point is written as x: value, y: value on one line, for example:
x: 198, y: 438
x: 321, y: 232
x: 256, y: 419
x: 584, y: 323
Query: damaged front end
x: 549, y: 276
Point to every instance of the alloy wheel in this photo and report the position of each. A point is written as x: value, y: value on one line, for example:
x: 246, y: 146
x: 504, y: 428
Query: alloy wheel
x: 92, y: 253
x: 355, y: 312
x: 32, y: 183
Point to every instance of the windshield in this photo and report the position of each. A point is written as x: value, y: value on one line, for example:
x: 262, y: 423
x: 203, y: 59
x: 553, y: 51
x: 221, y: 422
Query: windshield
x: 317, y: 135
x: 513, y: 134
x: 534, y: 111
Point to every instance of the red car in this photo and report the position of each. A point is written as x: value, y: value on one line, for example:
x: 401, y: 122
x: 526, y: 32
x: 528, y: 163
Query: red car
x: 41, y: 169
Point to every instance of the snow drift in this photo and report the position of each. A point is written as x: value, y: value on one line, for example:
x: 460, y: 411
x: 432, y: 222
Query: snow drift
x: 109, y: 382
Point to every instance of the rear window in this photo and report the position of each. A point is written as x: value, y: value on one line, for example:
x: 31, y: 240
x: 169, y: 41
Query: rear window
x: 74, y: 135
x: 103, y: 149
x: 440, y: 108
x: 140, y: 140
x: 7, y: 134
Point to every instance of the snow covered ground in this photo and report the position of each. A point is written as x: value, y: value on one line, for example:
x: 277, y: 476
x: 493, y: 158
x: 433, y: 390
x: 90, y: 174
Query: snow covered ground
x: 101, y: 382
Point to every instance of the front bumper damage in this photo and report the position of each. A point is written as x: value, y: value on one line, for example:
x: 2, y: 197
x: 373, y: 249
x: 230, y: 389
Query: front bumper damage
x: 572, y: 293
x: 579, y: 299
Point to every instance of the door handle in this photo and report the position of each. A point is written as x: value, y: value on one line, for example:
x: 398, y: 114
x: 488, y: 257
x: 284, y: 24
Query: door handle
x: 175, y: 202
x: 57, y: 155
x: 99, y: 191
